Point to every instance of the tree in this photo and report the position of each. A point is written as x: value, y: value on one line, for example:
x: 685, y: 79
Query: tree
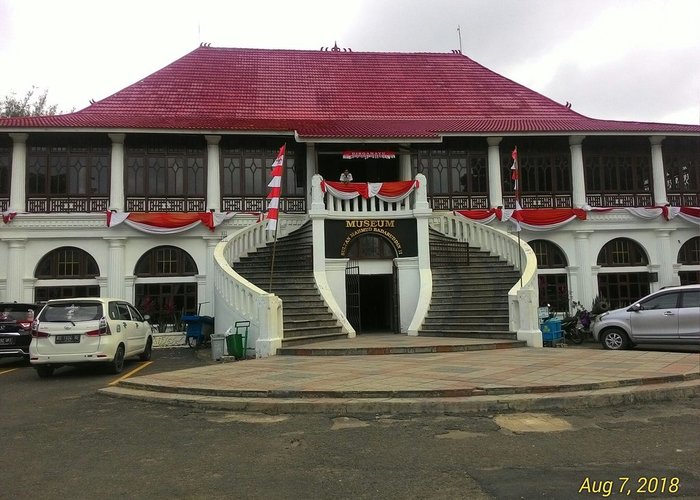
x: 33, y: 103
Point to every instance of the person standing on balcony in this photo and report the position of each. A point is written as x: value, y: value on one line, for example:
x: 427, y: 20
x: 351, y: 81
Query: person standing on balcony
x: 346, y: 176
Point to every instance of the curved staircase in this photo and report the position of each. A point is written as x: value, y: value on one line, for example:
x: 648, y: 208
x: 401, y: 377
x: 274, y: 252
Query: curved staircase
x: 470, y: 291
x: 306, y: 318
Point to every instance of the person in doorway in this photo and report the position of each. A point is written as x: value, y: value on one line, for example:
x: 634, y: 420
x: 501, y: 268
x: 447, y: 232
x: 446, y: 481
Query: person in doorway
x: 346, y: 176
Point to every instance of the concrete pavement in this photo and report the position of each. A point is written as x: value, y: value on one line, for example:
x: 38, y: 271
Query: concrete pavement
x: 398, y: 374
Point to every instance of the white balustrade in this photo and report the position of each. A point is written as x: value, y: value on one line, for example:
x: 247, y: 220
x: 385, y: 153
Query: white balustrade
x: 237, y: 299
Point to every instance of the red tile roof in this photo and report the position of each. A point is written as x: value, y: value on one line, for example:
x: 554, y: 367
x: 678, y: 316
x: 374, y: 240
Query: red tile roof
x: 334, y: 95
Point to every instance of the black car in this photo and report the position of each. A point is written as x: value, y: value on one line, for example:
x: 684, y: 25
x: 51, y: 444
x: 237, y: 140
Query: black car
x: 16, y: 328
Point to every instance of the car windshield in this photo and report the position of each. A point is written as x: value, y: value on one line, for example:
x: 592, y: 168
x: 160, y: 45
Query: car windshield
x: 72, y: 312
x: 17, y: 312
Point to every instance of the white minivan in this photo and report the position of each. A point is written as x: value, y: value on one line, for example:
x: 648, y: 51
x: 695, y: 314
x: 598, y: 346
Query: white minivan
x: 88, y: 330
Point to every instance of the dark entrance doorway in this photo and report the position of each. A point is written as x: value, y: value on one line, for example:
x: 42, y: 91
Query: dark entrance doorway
x: 377, y: 306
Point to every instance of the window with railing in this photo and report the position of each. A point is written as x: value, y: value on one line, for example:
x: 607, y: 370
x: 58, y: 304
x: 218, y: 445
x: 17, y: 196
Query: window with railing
x: 456, y: 173
x: 544, y: 173
x: 246, y: 166
x: 165, y: 174
x: 618, y: 172
x: 5, y: 169
x: 67, y: 174
x: 682, y: 171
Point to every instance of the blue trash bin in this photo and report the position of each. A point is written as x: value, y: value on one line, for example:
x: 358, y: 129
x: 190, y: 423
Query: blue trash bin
x: 199, y: 329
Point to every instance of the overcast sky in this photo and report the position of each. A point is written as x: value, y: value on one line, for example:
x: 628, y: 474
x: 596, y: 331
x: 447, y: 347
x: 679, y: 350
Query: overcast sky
x: 613, y: 59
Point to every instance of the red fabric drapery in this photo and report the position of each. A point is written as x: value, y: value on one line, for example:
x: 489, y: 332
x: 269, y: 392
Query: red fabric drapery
x: 547, y: 216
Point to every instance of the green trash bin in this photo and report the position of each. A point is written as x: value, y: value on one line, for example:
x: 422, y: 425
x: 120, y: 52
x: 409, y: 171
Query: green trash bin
x: 234, y: 345
x: 237, y: 342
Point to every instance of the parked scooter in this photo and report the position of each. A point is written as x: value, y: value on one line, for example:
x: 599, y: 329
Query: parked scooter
x: 577, y: 328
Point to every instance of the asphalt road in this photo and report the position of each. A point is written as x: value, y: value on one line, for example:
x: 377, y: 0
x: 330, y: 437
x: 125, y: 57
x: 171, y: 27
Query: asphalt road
x: 61, y: 440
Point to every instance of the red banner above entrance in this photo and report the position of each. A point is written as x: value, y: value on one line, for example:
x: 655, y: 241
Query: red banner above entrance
x: 366, y: 155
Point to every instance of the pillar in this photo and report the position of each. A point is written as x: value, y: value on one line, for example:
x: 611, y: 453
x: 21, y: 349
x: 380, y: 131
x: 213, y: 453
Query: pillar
x: 116, y: 185
x: 494, y: 161
x: 657, y: 170
x: 578, y: 179
x: 15, y: 269
x: 583, y: 266
x: 667, y: 274
x: 311, y: 170
x: 405, y: 166
x: 208, y: 299
x: 213, y: 172
x: 116, y: 268
x: 18, y: 192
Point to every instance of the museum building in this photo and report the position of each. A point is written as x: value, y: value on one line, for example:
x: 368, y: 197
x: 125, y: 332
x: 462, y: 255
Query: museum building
x: 158, y: 192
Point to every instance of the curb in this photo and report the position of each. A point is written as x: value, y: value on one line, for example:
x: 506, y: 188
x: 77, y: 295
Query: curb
x: 472, y: 405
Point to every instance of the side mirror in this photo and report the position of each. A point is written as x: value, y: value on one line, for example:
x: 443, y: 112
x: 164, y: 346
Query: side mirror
x: 635, y: 307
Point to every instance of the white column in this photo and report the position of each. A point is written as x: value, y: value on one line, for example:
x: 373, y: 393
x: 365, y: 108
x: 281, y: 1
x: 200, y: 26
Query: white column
x: 116, y: 186
x: 311, y: 170
x: 213, y: 172
x: 494, y: 161
x: 583, y: 265
x: 578, y: 179
x: 405, y: 166
x: 657, y: 170
x: 15, y: 269
x: 18, y: 193
x: 116, y: 268
x: 667, y: 275
x: 208, y: 308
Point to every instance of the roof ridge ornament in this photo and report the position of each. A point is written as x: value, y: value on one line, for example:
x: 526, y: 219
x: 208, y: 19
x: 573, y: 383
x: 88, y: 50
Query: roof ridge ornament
x: 335, y: 48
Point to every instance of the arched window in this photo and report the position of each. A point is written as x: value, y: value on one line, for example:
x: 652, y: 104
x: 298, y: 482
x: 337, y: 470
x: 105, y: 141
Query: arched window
x: 166, y: 261
x: 371, y: 246
x: 551, y: 275
x: 689, y: 255
x: 622, y: 288
x: 165, y: 287
x: 76, y: 269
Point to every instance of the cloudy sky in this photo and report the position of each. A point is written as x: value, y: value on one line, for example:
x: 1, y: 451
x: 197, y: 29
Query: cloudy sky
x: 615, y: 59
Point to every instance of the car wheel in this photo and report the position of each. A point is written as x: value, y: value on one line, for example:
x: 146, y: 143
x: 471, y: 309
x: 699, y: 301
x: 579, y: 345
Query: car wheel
x: 615, y: 339
x: 44, y: 371
x: 117, y: 364
x: 146, y: 354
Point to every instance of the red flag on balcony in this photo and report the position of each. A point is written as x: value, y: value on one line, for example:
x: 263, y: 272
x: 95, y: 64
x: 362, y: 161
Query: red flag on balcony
x: 514, y: 171
x: 275, y: 186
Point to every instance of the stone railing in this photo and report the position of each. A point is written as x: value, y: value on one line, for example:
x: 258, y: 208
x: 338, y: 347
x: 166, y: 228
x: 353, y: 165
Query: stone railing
x: 523, y: 298
x: 237, y: 299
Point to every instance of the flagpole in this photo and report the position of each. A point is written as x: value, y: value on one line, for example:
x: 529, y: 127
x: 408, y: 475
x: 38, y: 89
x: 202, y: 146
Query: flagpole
x: 272, y: 264
x: 517, y: 204
x: 276, y: 192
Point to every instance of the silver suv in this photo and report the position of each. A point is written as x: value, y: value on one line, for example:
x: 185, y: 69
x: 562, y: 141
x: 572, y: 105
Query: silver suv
x: 669, y: 316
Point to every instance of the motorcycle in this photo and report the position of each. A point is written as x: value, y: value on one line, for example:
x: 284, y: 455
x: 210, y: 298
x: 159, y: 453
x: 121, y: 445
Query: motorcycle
x: 577, y: 328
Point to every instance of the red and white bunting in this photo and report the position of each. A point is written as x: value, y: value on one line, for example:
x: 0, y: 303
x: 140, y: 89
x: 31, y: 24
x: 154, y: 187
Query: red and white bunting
x: 275, y: 186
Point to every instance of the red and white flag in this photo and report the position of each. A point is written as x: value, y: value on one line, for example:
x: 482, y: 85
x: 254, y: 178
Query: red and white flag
x: 514, y: 170
x: 275, y: 186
